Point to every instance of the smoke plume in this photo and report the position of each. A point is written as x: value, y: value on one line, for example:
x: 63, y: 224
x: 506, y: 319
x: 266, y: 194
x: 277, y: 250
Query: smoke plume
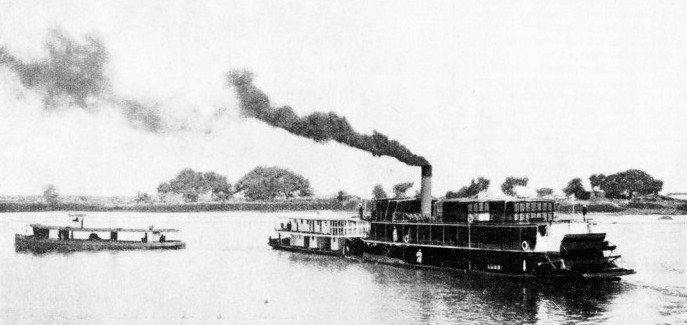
x: 320, y: 127
x: 73, y: 75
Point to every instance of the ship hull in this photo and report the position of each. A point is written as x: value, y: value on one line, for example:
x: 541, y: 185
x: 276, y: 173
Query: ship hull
x: 30, y: 243
x: 491, y: 262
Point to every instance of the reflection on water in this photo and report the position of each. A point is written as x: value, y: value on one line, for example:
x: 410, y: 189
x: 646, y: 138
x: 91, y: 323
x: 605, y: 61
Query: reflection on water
x: 437, y: 297
x: 228, y: 274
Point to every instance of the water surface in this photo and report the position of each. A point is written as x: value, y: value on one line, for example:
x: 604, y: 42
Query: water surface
x: 228, y: 274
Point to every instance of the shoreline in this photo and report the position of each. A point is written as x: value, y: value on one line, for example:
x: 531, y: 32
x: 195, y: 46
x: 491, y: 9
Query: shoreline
x: 598, y: 208
x: 310, y: 205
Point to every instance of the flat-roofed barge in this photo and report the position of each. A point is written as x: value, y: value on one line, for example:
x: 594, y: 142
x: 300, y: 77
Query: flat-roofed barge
x: 56, y: 238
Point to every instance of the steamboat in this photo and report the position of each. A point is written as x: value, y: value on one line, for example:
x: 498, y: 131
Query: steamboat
x: 510, y: 238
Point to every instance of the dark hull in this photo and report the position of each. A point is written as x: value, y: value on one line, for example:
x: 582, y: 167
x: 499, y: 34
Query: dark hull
x: 492, y: 262
x: 30, y: 243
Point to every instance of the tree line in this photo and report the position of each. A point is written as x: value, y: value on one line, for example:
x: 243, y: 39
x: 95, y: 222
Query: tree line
x: 271, y: 183
x: 621, y: 185
x: 260, y: 184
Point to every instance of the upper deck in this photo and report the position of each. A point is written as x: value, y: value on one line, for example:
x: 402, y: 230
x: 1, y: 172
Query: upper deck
x: 450, y: 211
x: 323, y: 226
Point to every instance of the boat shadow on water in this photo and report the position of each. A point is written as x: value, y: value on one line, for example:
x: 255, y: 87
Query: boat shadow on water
x: 436, y: 291
x: 506, y: 300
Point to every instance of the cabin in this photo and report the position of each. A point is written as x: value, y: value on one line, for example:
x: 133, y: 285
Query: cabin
x: 473, y: 223
x: 320, y: 234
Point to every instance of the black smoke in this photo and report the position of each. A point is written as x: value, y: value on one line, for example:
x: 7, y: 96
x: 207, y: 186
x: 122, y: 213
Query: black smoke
x: 320, y: 127
x: 73, y: 75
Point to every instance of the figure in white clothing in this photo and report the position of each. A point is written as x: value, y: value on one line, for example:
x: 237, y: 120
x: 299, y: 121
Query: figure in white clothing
x: 419, y: 256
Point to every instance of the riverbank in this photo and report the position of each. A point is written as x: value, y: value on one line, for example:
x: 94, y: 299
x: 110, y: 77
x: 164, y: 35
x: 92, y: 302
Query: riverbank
x: 618, y: 207
x: 593, y: 207
x: 294, y: 205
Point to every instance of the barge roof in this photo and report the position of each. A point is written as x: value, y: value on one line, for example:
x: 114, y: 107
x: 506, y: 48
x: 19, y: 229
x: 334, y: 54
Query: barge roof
x: 102, y: 229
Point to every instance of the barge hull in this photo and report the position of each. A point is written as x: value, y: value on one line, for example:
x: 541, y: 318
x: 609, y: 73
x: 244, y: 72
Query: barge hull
x: 30, y: 243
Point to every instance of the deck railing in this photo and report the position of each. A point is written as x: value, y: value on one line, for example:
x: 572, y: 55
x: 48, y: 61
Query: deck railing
x: 351, y: 229
x: 358, y: 229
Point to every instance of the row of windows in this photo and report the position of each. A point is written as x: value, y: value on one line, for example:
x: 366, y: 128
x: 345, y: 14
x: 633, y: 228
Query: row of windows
x: 478, y: 207
x: 334, y: 223
x: 532, y: 206
x: 529, y: 216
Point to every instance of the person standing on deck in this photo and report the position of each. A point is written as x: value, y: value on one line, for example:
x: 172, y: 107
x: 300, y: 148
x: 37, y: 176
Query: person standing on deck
x: 418, y: 255
x: 395, y: 235
x: 584, y: 213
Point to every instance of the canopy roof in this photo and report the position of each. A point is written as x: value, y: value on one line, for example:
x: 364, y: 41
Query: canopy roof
x: 103, y: 229
x: 322, y: 218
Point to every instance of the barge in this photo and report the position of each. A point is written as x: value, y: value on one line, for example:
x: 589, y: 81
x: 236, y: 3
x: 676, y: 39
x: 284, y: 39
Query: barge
x: 508, y: 237
x: 56, y: 238
x: 324, y: 235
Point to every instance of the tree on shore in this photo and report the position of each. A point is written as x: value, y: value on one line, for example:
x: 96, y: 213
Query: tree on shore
x: 50, y: 194
x: 268, y: 183
x: 142, y: 197
x: 508, y: 186
x: 575, y: 188
x: 626, y: 184
x: 596, y: 180
x: 475, y: 187
x: 544, y: 191
x: 342, y: 196
x: 400, y: 189
x: 191, y: 185
x: 378, y: 192
x: 218, y: 186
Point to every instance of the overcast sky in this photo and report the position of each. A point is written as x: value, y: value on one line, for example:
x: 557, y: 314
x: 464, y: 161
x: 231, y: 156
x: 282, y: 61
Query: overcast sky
x: 550, y: 90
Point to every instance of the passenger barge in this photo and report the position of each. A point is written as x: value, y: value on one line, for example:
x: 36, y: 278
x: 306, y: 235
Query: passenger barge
x: 495, y: 237
x: 325, y: 235
x: 57, y: 238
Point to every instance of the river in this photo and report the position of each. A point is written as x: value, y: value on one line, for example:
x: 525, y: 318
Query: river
x: 228, y: 275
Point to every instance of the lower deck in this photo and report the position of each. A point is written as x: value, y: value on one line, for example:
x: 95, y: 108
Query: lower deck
x: 314, y: 244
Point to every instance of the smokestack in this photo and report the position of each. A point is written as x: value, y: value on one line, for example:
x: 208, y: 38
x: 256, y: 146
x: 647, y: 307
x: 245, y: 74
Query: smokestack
x: 426, y: 191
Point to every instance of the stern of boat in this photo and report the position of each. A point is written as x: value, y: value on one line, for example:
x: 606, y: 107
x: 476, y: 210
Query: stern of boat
x: 278, y: 242
x: 590, y: 256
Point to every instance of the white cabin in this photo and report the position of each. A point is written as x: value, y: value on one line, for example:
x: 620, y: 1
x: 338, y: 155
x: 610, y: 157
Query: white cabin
x: 320, y: 233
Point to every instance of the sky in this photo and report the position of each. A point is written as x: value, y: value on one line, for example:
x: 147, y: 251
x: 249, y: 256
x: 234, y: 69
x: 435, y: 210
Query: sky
x: 550, y: 90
